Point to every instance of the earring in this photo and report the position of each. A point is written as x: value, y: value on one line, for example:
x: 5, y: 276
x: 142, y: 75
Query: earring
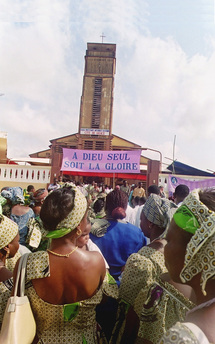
x: 79, y: 232
x: 7, y: 253
x: 150, y: 225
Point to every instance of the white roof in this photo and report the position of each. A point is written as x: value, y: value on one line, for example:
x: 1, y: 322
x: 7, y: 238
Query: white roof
x: 44, y: 161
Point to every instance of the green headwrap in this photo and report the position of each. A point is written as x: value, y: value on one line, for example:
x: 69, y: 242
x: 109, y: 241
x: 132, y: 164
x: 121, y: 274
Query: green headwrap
x: 185, y: 219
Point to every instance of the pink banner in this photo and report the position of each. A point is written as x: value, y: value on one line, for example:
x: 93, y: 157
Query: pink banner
x: 192, y: 184
x: 101, y: 161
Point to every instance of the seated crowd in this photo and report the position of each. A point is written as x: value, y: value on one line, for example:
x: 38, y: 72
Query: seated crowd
x: 123, y: 265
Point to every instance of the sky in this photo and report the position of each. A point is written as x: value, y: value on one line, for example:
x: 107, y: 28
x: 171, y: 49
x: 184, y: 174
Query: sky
x: 164, y: 94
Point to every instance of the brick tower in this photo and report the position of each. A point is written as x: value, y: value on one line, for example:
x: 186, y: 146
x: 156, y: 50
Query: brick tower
x: 96, y: 109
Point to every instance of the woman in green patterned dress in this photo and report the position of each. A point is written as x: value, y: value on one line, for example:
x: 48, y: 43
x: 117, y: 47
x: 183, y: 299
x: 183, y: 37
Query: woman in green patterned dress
x: 148, y: 305
x: 66, y: 283
x: 190, y: 258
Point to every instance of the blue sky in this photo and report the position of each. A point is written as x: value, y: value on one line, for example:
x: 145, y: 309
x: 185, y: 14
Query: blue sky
x: 188, y: 22
x: 164, y: 84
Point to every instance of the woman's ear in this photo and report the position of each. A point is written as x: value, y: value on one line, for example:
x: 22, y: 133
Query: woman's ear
x: 7, y: 251
x: 78, y: 231
x: 9, y: 246
x: 150, y: 224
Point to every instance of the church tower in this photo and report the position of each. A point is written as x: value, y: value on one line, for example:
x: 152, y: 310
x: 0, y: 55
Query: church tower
x: 96, y: 109
x: 95, y: 116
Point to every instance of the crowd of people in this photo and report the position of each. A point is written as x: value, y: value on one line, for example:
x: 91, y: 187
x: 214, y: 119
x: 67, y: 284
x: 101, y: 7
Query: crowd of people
x: 112, y: 265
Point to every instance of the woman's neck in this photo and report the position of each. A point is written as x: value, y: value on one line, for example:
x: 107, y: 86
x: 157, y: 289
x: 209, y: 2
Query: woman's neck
x: 158, y: 244
x: 155, y: 232
x: 63, y: 242
x: 4, y: 272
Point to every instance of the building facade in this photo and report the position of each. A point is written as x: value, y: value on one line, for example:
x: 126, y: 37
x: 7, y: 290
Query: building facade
x: 96, y: 113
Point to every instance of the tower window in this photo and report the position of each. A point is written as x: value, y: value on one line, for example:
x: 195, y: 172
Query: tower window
x: 97, y: 103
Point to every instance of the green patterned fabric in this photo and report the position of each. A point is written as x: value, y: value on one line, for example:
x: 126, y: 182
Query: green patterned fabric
x: 185, y: 219
x: 70, y: 311
x: 110, y: 278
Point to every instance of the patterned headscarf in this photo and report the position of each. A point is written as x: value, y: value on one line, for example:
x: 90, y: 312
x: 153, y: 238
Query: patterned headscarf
x: 14, y: 194
x: 157, y: 210
x: 74, y: 217
x: 3, y: 201
x: 39, y: 195
x: 200, y: 251
x: 8, y: 231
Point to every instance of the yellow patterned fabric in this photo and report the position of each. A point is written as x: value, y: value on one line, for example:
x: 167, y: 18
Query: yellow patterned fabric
x: 7, y: 286
x: 5, y: 292
x: 158, y: 304
x: 200, y: 251
x: 158, y: 310
x: 8, y: 230
x: 74, y: 323
x: 142, y: 269
x: 11, y: 262
x: 184, y: 333
x: 76, y: 215
x: 36, y: 232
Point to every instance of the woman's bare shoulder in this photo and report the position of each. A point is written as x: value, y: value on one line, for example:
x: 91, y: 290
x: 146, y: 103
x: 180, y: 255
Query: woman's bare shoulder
x: 91, y: 258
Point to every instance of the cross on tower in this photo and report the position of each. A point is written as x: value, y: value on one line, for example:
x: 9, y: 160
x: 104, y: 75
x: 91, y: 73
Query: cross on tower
x: 102, y: 36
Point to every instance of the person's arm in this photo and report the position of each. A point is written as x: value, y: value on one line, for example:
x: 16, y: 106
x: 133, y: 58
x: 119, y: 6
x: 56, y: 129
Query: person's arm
x: 5, y: 274
x: 97, y: 266
x: 131, y: 327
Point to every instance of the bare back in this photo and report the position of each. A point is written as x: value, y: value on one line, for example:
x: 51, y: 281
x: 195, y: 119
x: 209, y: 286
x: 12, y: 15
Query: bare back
x: 72, y: 279
x: 19, y: 209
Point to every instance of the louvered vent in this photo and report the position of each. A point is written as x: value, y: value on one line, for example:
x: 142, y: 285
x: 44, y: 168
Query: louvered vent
x: 97, y: 103
x: 100, y: 145
x: 88, y: 144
